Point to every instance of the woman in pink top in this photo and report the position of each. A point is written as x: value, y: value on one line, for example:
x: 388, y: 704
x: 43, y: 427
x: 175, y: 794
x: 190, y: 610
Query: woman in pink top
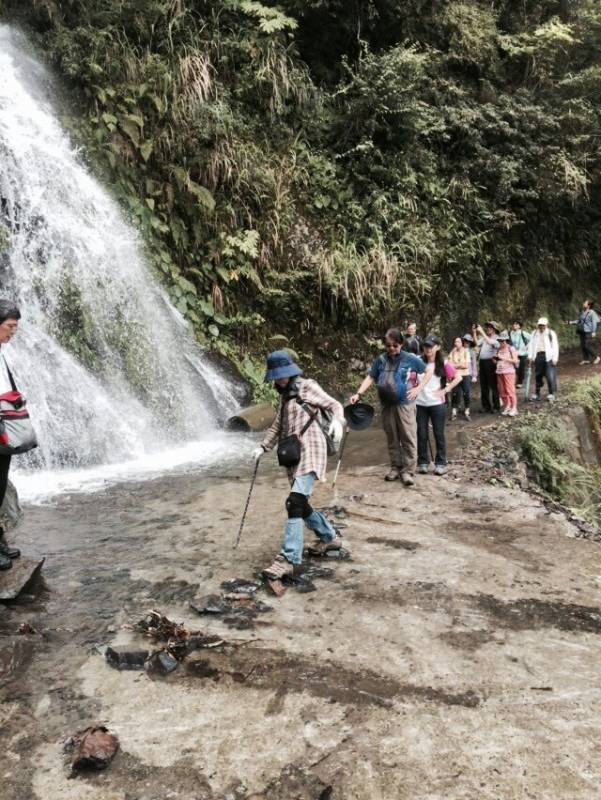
x: 507, y: 362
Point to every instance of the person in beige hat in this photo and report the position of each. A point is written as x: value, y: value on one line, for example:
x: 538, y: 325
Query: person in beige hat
x: 543, y: 352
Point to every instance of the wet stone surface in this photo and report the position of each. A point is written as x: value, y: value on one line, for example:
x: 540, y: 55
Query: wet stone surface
x: 412, y: 670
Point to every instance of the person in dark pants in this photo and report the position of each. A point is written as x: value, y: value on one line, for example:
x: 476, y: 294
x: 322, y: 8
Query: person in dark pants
x: 432, y: 407
x: 9, y: 322
x: 460, y: 358
x: 489, y: 345
x: 586, y: 328
x: 520, y: 340
x: 543, y: 352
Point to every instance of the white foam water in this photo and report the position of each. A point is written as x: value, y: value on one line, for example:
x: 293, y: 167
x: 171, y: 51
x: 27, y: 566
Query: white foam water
x: 223, y: 451
x: 110, y: 370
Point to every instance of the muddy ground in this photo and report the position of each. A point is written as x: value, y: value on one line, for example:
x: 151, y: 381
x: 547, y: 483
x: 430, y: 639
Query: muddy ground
x: 455, y: 655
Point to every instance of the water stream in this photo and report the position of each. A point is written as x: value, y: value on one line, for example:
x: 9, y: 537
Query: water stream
x: 116, y: 384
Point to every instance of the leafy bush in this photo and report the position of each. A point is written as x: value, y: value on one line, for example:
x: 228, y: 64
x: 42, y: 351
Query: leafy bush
x: 325, y: 164
x: 546, y: 447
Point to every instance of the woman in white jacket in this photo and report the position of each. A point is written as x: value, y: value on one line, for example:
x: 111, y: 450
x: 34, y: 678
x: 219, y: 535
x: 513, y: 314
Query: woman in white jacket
x: 543, y: 352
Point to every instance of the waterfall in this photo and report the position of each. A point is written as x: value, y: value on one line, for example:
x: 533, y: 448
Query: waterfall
x: 108, y: 365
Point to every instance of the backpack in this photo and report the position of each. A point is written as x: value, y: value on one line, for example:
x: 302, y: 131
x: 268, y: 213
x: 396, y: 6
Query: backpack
x: 387, y: 382
x: 322, y: 416
x: 16, y: 431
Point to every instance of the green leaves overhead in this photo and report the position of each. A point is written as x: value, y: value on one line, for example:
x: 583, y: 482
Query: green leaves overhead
x: 301, y: 165
x: 271, y: 20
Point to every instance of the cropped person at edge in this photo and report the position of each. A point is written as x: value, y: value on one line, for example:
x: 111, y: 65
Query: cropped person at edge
x: 9, y: 323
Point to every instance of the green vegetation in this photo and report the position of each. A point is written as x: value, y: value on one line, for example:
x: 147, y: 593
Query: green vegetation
x: 310, y: 167
x: 548, y: 447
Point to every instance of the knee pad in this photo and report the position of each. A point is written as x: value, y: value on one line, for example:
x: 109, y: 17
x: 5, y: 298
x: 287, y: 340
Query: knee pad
x: 297, y: 506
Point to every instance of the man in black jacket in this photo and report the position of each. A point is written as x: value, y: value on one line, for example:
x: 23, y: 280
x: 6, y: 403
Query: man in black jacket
x: 411, y: 341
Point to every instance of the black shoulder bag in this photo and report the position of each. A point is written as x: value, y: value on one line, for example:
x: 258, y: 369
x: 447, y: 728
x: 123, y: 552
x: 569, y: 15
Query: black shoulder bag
x: 581, y: 323
x: 289, y: 448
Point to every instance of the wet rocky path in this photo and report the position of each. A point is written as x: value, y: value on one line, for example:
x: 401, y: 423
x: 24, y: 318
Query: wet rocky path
x: 455, y: 656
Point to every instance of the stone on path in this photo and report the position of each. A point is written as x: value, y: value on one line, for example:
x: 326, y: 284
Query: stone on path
x: 13, y: 581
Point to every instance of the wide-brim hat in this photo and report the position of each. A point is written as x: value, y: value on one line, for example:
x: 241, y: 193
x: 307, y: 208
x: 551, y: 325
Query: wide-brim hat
x: 280, y: 365
x: 467, y: 337
x: 543, y: 321
x: 504, y: 337
x: 493, y: 324
x: 359, y: 416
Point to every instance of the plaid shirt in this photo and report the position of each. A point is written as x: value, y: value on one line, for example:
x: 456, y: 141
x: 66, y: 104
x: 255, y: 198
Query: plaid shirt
x: 292, y: 417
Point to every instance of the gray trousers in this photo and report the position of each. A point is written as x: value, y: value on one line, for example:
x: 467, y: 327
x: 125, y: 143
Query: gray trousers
x: 400, y: 427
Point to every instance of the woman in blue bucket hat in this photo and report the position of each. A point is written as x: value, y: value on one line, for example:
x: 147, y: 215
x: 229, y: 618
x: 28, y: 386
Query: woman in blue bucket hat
x: 300, y: 399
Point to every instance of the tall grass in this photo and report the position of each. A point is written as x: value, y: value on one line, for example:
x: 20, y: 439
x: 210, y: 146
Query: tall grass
x: 547, y: 447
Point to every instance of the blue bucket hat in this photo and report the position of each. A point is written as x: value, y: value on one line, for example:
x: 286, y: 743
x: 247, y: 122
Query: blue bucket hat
x: 281, y: 365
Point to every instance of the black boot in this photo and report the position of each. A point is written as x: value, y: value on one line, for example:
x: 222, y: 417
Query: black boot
x: 5, y: 563
x: 8, y: 552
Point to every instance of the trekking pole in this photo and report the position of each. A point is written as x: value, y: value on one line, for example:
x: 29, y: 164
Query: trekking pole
x: 252, y: 483
x: 342, y: 443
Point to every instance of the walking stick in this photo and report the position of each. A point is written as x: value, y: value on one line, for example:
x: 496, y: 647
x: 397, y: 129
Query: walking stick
x: 342, y: 443
x: 527, y: 383
x: 250, y: 491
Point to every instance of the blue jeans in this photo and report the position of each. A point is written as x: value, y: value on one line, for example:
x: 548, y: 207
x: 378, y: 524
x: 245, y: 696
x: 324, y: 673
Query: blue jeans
x: 292, y: 548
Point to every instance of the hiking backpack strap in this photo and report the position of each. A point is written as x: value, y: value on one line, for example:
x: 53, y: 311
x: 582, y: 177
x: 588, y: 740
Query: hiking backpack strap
x: 10, y: 375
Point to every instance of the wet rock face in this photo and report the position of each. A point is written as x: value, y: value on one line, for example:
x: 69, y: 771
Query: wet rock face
x: 10, y: 511
x: 584, y: 447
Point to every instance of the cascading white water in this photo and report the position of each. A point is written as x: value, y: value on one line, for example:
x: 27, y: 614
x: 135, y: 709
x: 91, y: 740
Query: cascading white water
x: 109, y: 368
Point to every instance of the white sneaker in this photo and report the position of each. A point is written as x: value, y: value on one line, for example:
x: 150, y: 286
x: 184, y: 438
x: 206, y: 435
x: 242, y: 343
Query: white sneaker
x: 506, y: 412
x: 597, y: 360
x: 551, y: 397
x: 580, y: 363
x: 535, y: 397
x: 513, y: 413
x: 454, y: 414
x: 440, y: 470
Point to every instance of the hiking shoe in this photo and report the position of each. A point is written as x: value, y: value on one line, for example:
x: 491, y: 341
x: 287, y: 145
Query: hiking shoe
x: 597, y: 360
x: 535, y: 398
x: 407, y: 479
x: 5, y: 563
x: 423, y: 469
x: 392, y: 474
x: 8, y: 552
x: 551, y: 397
x: 279, y: 569
x: 322, y: 546
x: 440, y: 469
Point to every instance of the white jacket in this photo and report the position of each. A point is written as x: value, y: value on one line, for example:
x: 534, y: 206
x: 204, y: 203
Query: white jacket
x: 551, y: 345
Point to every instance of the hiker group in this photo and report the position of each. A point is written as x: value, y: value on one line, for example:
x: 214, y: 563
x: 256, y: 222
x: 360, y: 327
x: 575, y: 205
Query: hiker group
x: 416, y: 385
